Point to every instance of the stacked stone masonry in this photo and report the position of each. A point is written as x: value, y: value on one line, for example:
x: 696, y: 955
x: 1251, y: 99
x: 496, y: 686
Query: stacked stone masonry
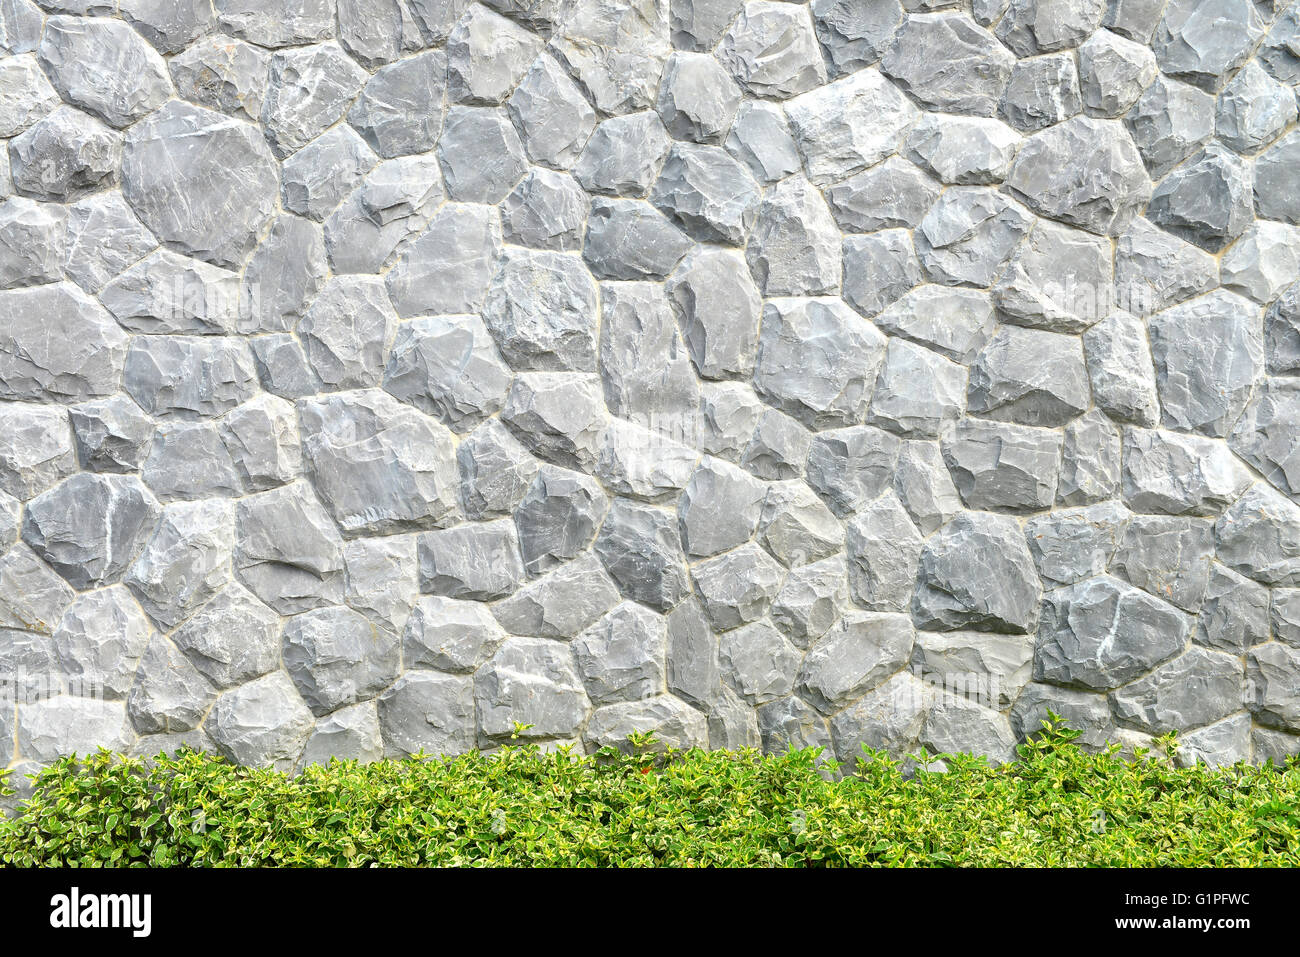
x: 378, y: 375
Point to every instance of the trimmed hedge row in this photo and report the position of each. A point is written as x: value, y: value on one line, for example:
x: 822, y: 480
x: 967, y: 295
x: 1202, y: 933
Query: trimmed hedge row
x: 522, y: 807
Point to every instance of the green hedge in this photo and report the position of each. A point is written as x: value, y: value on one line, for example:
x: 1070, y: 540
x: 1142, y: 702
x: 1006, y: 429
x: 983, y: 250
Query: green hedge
x: 518, y: 806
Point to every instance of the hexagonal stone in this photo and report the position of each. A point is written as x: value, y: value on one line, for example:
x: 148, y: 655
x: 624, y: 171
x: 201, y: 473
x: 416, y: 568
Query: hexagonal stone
x: 261, y: 723
x: 547, y: 210
x: 991, y: 669
x: 630, y: 239
x: 487, y: 56
x: 795, y: 248
x: 1084, y: 172
x: 478, y: 561
x: 968, y: 235
x: 771, y: 50
x: 1169, y: 122
x: 879, y: 269
x: 105, y: 67
x: 817, y: 360
x: 558, y: 416
x: 1205, y: 42
x: 949, y: 63
x: 1235, y: 616
x: 447, y: 270
x: 623, y: 155
x: 1000, y: 465
x: 99, y: 642
x: 481, y: 155
x: 223, y: 74
x: 63, y: 725
x: 1208, y: 354
x: 737, y: 588
x: 999, y: 592
x: 89, y: 527
x: 530, y: 681
x: 1101, y: 633
x: 884, y: 548
x: 554, y: 119
x: 709, y: 194
x: 425, y: 712
x: 561, y: 603
x: 289, y: 549
x: 718, y: 309
x: 232, y: 639
x: 674, y: 723
x: 850, y: 467
x: 336, y: 657
x: 1206, y: 201
x: 760, y: 138
x: 201, y: 181
x: 1259, y: 536
x: 57, y: 343
x: 1042, y: 91
x: 495, y: 469
x: 450, y: 635
x: 1275, y: 179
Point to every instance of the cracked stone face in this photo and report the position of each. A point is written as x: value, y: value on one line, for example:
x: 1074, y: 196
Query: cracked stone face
x: 375, y: 377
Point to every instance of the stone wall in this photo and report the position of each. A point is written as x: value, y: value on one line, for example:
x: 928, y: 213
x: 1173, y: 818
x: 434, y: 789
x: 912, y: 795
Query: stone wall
x: 377, y: 374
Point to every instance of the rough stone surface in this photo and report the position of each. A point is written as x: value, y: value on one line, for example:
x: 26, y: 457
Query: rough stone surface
x: 377, y: 374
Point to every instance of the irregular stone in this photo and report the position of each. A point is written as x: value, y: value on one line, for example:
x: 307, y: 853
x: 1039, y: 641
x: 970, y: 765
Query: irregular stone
x: 482, y: 158
x: 854, y: 35
x: 64, y: 156
x: 738, y: 587
x: 956, y: 725
x: 558, y: 518
x: 1000, y: 465
x: 884, y: 549
x: 1120, y: 369
x: 1235, y: 616
x: 447, y: 270
x: 349, y: 734
x: 495, y: 470
x: 89, y: 527
x: 892, y: 194
x: 1179, y: 474
x: 1270, y: 675
x: 962, y: 150
x: 811, y: 601
x: 336, y: 657
x: 1208, y: 354
x: 1085, y: 710
x: 760, y: 138
x: 621, y: 657
x: 623, y: 155
x: 1218, y: 745
x: 427, y: 713
x: 63, y: 725
x: 99, y: 642
x: 817, y: 361
x: 779, y: 447
x: 1275, y: 179
x: 285, y: 272
x: 554, y: 119
x: 794, y: 247
x: 319, y: 176
x: 223, y: 74
x: 186, y: 561
x: 1198, y: 688
x: 31, y: 242
x: 447, y: 366
x: 707, y: 193
x: 202, y: 182
x: 955, y: 322
x: 949, y: 63
x: 1169, y: 122
x: 1114, y: 72
x: 719, y: 509
x: 530, y: 681
x: 57, y: 343
x: 104, y: 67
x: 450, y: 635
x: 232, y: 639
x: 1072, y: 544
x: 36, y: 450
x: 479, y: 561
x: 189, y: 375
x: 558, y: 416
x: 889, y: 718
x: 729, y: 414
x: 261, y: 723
x: 1253, y: 109
x: 1029, y: 376
x: 999, y: 592
x: 856, y: 656
x: 990, y: 670
x: 697, y: 99
x: 561, y: 603
x: 169, y: 693
x: 1205, y: 42
x: 394, y: 202
x: 1265, y: 435
x: 1154, y: 270
x: 1168, y: 557
x: 615, y: 51
x: 1041, y: 92
x: 644, y: 463
x: 1263, y: 262
x: 547, y: 210
x: 28, y: 94
x: 103, y: 239
x: 878, y: 269
x: 541, y: 309
x: 278, y: 22
x: 850, y: 467
x: 1045, y: 26
x: 169, y: 294
x: 796, y: 527
x: 487, y: 56
x: 173, y: 469
x: 758, y: 663
x: 718, y: 308
x: 968, y: 235
x: 630, y: 239
x: 641, y: 549
x: 309, y: 90
x: 674, y: 723
x: 1259, y: 536
x: 289, y: 549
x: 771, y: 50
x: 33, y: 598
x: 1090, y: 460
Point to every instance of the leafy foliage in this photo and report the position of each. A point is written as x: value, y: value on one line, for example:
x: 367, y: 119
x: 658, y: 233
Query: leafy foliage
x: 523, y: 807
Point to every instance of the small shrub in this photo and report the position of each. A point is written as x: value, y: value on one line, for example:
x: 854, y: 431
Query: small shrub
x: 1057, y: 806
